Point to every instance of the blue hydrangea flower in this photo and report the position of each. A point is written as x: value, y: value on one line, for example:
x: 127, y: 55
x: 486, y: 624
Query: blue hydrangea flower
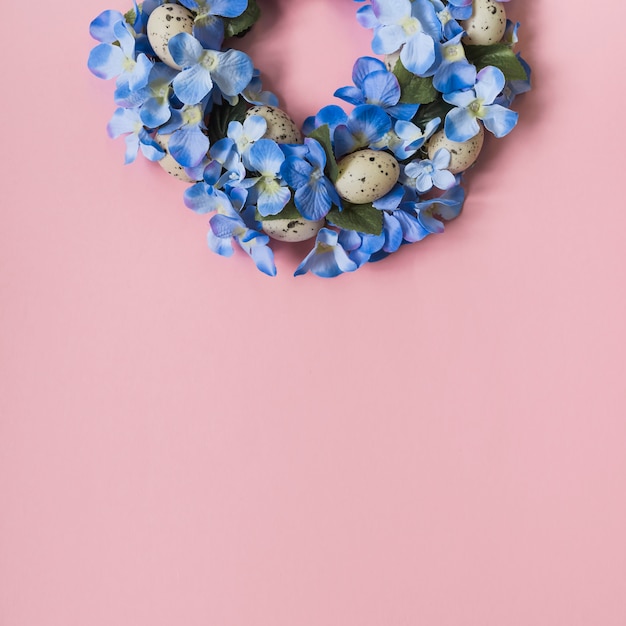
x: 234, y: 222
x: 366, y: 125
x: 315, y: 194
x: 128, y: 122
x: 231, y: 70
x: 455, y: 72
x: 268, y: 190
x: 331, y: 116
x: 327, y: 259
x: 360, y: 246
x: 475, y: 104
x: 514, y: 88
x: 101, y: 28
x: 375, y: 84
x: 451, y: 28
x: 188, y: 143
x: 208, y: 28
x: 411, y: 137
x: 429, y: 173
x: 411, y: 27
x: 118, y: 61
x: 460, y: 9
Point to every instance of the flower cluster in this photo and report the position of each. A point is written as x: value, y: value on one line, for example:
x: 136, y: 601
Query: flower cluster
x: 363, y: 182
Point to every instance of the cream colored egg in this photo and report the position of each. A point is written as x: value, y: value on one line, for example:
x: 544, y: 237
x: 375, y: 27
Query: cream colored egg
x: 462, y: 154
x: 164, y: 22
x: 366, y: 175
x: 392, y: 59
x: 486, y: 25
x: 280, y: 127
x: 169, y: 163
x: 293, y: 230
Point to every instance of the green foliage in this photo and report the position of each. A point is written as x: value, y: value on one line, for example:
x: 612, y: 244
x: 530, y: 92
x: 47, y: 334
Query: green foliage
x: 363, y: 218
x: 414, y: 90
x: 239, y: 25
x: 498, y: 55
x: 288, y: 213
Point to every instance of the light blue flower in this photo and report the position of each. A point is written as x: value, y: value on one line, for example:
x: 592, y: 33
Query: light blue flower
x: 128, y: 122
x: 315, y: 194
x: 375, y: 84
x: 208, y: 27
x: 327, y: 259
x: 268, y: 190
x: 234, y: 222
x: 411, y: 27
x: 460, y: 9
x: 231, y: 70
x: 478, y: 104
x: 455, y: 72
x: 108, y: 61
x: 366, y: 125
x: 188, y: 144
x: 331, y: 116
x: 360, y: 246
x: 101, y: 28
x: 411, y: 137
x: 429, y: 173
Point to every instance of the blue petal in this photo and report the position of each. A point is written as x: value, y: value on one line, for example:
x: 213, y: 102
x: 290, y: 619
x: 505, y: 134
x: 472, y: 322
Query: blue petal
x: 381, y: 88
x: 296, y: 172
x: 192, y: 84
x: 460, y: 125
x: 266, y: 157
x: 489, y: 83
x: 364, y: 66
x: 185, y: 49
x: 418, y: 55
x: 101, y: 28
x: 188, y: 146
x: 388, y: 39
x: 313, y: 200
x: 233, y: 72
x: 499, y: 120
x: 106, y: 61
x: 228, y: 8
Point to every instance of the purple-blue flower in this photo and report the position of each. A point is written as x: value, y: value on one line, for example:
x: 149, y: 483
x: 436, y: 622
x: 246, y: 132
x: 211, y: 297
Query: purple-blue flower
x: 328, y: 258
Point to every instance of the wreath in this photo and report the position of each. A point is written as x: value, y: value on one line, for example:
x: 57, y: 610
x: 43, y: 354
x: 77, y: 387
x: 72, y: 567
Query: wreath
x: 364, y: 182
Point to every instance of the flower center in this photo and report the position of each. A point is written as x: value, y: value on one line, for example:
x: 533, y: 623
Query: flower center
x: 453, y: 53
x: 191, y: 115
x: 411, y: 25
x: 209, y: 60
x: 476, y: 108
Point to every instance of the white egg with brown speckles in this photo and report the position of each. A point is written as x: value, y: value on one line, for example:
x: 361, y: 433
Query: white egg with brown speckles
x: 169, y: 163
x: 487, y: 24
x: 462, y: 154
x: 164, y: 22
x: 366, y: 176
x: 293, y: 230
x: 280, y: 127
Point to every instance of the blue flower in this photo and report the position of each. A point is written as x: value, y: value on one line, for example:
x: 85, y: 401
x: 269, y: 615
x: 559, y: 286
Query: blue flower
x: 231, y: 70
x: 410, y: 138
x: 411, y: 27
x: 375, y: 84
x: 478, y: 104
x: 460, y: 9
x: 328, y: 258
x: 331, y: 116
x: 455, y: 72
x: 208, y: 27
x: 428, y: 173
x: 269, y: 191
x: 366, y: 125
x: 315, y: 194
x: 188, y: 143
x: 118, y: 61
x: 233, y: 222
x: 101, y: 28
x: 127, y: 122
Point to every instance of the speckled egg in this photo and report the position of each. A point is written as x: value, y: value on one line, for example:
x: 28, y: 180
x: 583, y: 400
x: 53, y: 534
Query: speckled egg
x: 280, y: 127
x: 169, y: 163
x: 164, y: 22
x: 487, y: 24
x: 463, y: 154
x: 292, y: 231
x: 366, y: 176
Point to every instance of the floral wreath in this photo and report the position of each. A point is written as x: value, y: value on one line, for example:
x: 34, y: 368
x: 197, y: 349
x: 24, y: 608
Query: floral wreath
x: 363, y: 183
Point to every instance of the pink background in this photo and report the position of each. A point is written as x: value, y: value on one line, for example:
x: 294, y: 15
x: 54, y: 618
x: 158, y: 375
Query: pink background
x: 438, y: 439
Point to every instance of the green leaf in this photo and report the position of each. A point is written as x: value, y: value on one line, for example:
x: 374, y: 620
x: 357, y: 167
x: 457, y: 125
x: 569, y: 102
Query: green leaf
x: 363, y: 218
x: 221, y: 116
x: 288, y: 213
x: 130, y: 16
x: 414, y: 90
x: 244, y: 22
x: 322, y: 134
x: 439, y: 108
x: 498, y: 55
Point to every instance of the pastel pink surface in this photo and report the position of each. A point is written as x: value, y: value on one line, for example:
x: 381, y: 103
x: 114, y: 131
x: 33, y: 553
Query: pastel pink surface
x: 437, y: 439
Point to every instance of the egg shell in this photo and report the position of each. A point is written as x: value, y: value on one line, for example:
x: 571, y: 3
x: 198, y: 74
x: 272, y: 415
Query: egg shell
x: 164, y: 22
x: 462, y: 154
x: 392, y: 59
x: 169, y: 163
x: 292, y: 231
x: 366, y: 176
x: 486, y: 25
x: 280, y: 127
